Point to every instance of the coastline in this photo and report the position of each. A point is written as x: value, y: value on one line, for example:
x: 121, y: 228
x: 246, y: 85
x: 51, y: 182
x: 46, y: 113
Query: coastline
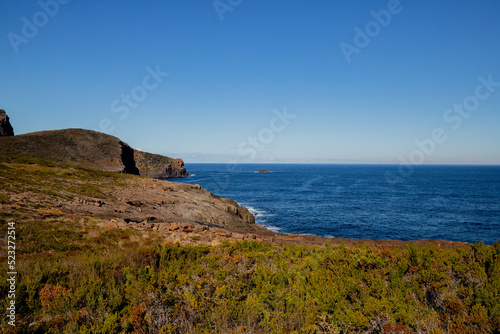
x: 176, y: 212
x: 159, y: 245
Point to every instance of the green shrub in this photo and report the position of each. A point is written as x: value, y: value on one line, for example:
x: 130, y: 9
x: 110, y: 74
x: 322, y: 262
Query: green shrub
x: 79, y: 278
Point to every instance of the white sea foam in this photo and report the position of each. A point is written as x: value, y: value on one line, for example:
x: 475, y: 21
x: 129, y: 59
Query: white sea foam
x: 272, y: 228
x: 261, y: 217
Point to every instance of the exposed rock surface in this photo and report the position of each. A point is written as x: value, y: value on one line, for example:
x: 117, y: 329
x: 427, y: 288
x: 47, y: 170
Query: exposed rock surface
x: 162, y: 203
x: 5, y: 126
x: 159, y: 166
x: 264, y: 171
x: 94, y: 150
x: 126, y: 201
x: 174, y: 212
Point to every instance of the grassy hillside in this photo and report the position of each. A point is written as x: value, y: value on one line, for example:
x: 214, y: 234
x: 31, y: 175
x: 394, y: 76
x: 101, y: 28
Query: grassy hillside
x: 79, y: 147
x: 91, y: 149
x: 74, y: 276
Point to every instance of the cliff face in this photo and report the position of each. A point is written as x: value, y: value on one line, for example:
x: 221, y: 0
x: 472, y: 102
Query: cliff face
x: 159, y: 166
x: 5, y: 127
x: 91, y: 149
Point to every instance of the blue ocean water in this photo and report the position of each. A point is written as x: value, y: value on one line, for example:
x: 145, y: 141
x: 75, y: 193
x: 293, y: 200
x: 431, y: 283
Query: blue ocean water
x: 458, y: 203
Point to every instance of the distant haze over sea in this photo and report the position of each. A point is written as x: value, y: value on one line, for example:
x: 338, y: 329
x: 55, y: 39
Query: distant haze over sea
x: 202, y: 158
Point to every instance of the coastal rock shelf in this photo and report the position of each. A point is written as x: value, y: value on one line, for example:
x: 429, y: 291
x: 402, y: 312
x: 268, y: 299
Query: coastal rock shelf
x: 124, y: 200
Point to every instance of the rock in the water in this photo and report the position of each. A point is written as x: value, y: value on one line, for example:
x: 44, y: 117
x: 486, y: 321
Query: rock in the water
x: 264, y: 171
x: 5, y: 127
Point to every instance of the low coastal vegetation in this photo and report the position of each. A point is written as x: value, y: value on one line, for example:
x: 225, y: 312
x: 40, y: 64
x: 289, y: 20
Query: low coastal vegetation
x: 74, y: 276
x: 79, y: 278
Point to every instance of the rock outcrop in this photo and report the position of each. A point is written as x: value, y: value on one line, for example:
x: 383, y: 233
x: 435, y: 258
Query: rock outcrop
x: 124, y: 200
x: 93, y: 150
x: 5, y: 126
x: 163, y: 203
x: 159, y: 166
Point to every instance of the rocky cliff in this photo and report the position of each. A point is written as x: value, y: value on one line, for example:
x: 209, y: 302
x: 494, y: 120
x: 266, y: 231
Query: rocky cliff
x: 5, y: 127
x: 91, y: 149
x: 159, y: 166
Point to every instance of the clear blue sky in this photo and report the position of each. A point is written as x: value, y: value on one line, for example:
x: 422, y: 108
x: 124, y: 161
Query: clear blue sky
x: 227, y: 76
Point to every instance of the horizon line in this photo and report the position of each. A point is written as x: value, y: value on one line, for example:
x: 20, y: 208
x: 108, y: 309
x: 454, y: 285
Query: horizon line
x: 347, y: 163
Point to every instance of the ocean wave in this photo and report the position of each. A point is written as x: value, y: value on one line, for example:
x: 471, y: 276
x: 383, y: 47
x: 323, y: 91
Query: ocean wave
x: 261, y: 217
x: 272, y: 228
x: 259, y: 213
